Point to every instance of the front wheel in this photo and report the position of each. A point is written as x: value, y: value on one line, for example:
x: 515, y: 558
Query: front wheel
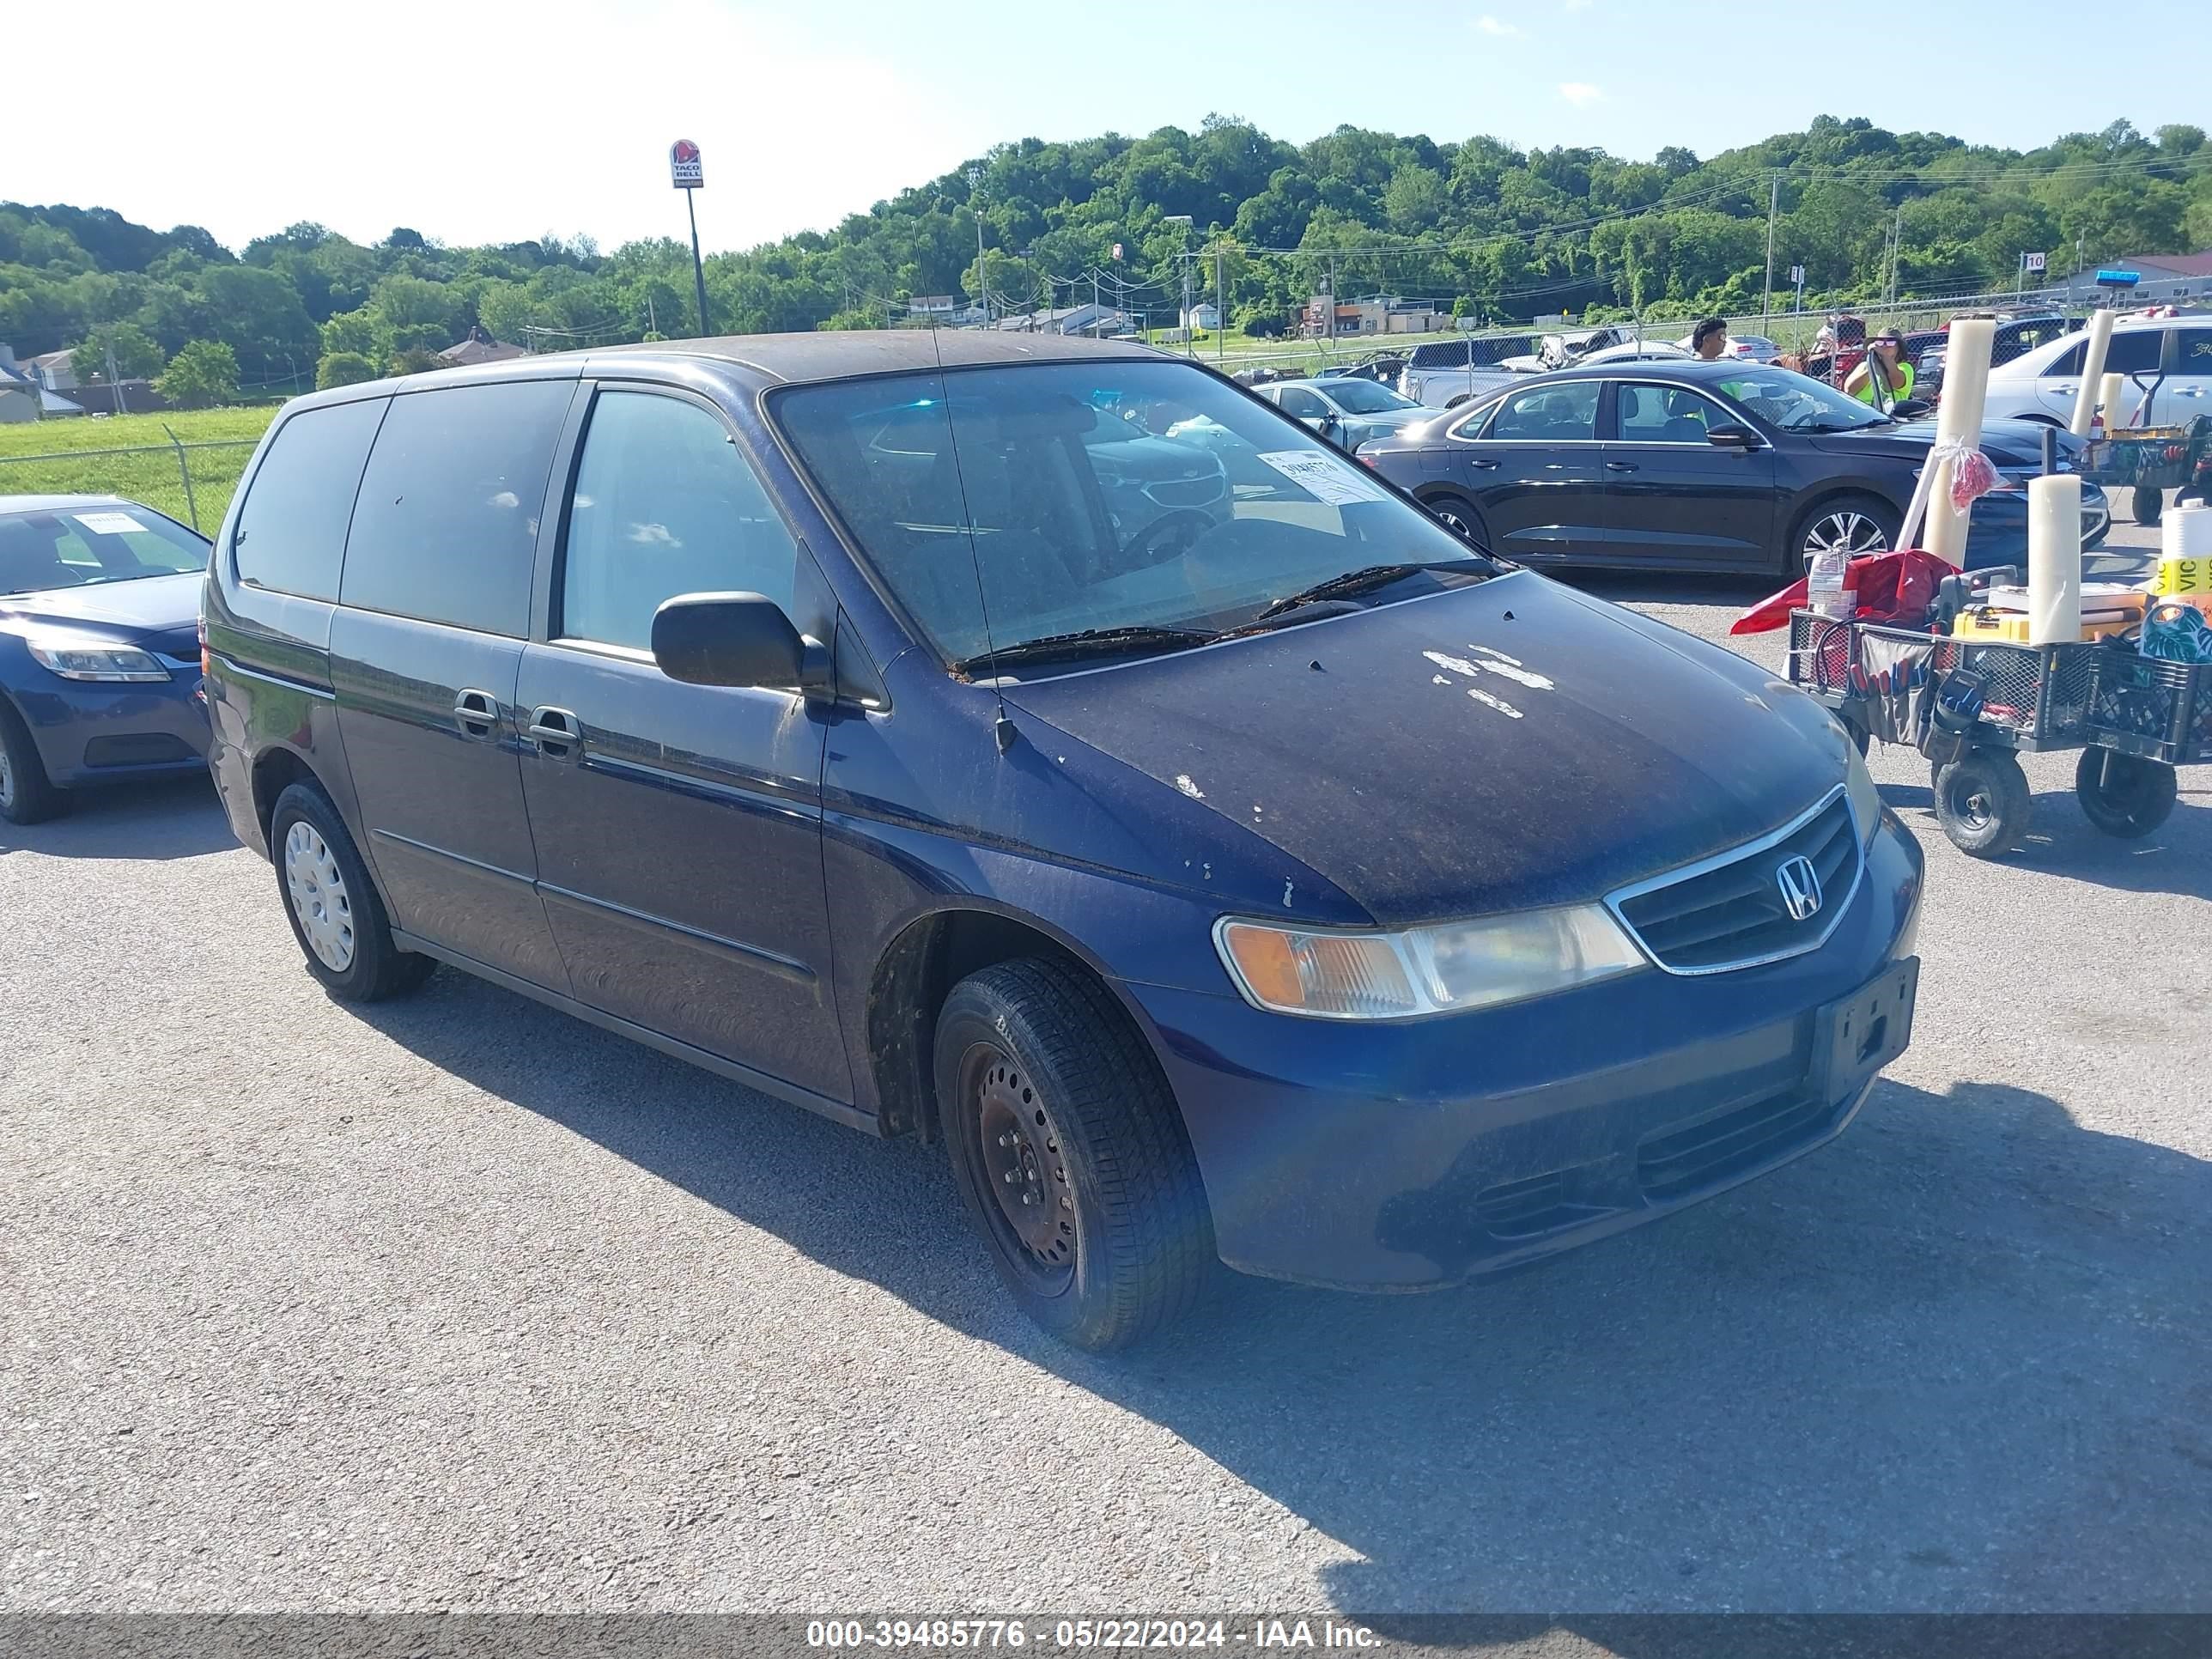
x: 2150, y: 504
x: 2124, y: 795
x: 1070, y: 1151
x: 1457, y: 514
x: 26, y: 796
x: 1982, y: 802
x: 1854, y: 526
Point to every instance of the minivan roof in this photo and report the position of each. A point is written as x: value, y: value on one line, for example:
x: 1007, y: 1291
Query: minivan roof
x: 788, y: 358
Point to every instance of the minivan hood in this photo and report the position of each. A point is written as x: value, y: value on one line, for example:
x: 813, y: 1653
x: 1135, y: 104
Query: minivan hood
x: 1486, y: 748
x: 163, y: 611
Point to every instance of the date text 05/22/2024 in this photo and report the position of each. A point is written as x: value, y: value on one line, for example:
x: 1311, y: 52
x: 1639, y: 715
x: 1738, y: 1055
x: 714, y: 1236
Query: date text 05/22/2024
x: 1074, y: 1634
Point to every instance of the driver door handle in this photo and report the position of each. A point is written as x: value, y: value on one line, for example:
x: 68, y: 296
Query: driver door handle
x: 558, y: 734
x: 1487, y: 465
x: 476, y: 713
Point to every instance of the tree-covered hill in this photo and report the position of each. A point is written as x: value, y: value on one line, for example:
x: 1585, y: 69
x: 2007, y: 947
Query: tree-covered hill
x: 1505, y: 233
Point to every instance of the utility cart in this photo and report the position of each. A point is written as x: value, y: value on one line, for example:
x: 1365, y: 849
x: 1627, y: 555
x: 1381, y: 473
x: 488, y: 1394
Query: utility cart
x: 1972, y: 707
x: 2151, y: 460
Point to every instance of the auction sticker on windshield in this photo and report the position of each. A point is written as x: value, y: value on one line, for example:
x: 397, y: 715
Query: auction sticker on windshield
x: 1321, y: 477
x: 108, y: 524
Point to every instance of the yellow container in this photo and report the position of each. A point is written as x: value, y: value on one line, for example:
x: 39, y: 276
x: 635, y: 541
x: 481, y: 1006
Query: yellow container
x: 2010, y: 627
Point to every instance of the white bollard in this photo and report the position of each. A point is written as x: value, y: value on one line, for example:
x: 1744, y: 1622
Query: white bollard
x: 1959, y: 420
x: 2054, y: 559
x: 2092, y: 373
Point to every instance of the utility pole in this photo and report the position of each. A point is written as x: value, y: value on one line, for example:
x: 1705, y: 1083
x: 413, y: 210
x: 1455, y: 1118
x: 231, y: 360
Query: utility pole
x: 1896, y: 253
x: 1221, y: 302
x: 1332, y: 301
x: 1190, y: 333
x: 114, y: 381
x: 1097, y: 317
x: 1773, y: 202
x: 982, y: 286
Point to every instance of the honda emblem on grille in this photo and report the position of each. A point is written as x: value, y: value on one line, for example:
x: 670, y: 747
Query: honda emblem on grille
x: 1799, y: 885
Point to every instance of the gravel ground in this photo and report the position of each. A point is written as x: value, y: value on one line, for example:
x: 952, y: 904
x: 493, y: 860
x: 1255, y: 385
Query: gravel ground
x: 459, y: 1303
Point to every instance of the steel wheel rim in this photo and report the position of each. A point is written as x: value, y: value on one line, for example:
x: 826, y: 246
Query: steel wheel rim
x: 1851, y: 534
x: 1021, y: 1159
x: 1974, y: 806
x: 320, y: 903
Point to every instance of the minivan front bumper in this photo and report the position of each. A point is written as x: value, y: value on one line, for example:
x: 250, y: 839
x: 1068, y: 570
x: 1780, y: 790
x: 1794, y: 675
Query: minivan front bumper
x: 1414, y: 1155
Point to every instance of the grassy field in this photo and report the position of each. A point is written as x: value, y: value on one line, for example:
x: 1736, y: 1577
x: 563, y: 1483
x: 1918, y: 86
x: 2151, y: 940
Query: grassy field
x: 39, y: 457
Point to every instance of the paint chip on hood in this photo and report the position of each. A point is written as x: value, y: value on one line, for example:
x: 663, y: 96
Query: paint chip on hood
x: 1183, y: 783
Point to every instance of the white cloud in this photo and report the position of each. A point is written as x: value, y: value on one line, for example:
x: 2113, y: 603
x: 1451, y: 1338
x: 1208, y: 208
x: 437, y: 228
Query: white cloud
x: 1580, y: 94
x: 1490, y: 25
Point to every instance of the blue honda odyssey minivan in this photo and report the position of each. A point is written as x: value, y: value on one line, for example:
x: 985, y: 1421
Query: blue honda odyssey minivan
x: 1048, y: 747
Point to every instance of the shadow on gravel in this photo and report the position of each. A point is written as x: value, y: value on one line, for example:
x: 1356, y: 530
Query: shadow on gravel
x: 174, y: 819
x: 2176, y: 858
x: 1958, y: 1359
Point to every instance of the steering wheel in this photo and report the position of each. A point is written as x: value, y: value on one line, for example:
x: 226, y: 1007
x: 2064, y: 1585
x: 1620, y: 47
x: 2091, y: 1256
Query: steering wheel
x: 1168, y: 537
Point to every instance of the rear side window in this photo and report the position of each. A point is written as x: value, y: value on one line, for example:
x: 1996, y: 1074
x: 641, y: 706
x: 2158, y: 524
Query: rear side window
x: 1549, y: 414
x: 291, y: 529
x: 447, y: 525
x: 2194, y: 354
x: 1455, y: 355
x: 2133, y: 351
x: 664, y: 505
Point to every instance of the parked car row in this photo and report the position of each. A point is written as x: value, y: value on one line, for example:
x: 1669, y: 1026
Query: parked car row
x: 1049, y: 748
x: 1682, y: 464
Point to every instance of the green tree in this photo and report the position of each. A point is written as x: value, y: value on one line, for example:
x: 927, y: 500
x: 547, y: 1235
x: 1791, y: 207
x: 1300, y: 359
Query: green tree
x: 343, y: 369
x: 137, y: 356
x: 415, y: 360
x: 352, y: 332
x: 203, y: 373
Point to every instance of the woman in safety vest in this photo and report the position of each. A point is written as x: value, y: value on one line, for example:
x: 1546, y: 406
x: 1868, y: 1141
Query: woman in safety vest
x: 1885, y: 359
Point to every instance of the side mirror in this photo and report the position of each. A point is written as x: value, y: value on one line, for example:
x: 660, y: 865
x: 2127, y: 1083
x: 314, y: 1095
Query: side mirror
x: 735, y: 639
x: 1732, y: 437
x: 1910, y: 408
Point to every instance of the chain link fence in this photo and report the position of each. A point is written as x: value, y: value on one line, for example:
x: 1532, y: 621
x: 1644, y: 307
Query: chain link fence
x: 192, y: 482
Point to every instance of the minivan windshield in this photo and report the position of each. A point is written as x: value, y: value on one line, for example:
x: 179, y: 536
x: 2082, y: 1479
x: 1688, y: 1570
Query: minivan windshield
x: 1796, y: 403
x: 1148, y: 501
x: 99, y: 541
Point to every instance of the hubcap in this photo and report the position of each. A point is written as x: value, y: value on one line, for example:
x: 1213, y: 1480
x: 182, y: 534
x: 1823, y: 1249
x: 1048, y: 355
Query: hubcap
x: 1025, y: 1169
x: 320, y: 900
x: 1845, y: 531
x: 1975, y: 807
x: 6, y: 780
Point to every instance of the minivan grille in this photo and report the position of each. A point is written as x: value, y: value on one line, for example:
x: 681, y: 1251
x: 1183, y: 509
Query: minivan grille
x: 1734, y: 914
x: 1668, y: 1165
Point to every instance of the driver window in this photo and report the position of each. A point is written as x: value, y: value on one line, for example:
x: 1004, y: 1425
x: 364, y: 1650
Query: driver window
x: 1551, y: 414
x: 1301, y: 404
x: 664, y: 505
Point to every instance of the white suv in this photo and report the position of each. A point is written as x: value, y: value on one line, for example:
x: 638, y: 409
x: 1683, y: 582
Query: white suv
x: 2167, y: 362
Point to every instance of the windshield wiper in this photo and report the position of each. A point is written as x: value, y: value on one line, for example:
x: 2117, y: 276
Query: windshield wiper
x: 1089, y: 643
x: 1364, y: 580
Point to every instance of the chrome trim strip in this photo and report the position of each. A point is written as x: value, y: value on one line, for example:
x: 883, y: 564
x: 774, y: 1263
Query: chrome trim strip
x: 1620, y: 895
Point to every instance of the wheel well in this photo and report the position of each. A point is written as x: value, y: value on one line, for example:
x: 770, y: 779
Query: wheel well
x: 911, y: 982
x: 273, y: 773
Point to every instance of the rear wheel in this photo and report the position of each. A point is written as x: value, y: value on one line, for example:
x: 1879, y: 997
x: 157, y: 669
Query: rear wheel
x: 336, y: 914
x: 26, y: 796
x: 1459, y: 515
x: 2124, y: 795
x: 1070, y: 1151
x: 2150, y: 504
x: 1854, y: 526
x: 1982, y: 802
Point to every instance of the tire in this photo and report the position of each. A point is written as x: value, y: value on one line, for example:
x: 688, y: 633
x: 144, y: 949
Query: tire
x: 26, y: 795
x: 1459, y: 515
x: 1982, y: 802
x: 2124, y: 795
x: 1121, y: 1244
x: 2150, y: 504
x: 1868, y: 523
x: 337, y: 916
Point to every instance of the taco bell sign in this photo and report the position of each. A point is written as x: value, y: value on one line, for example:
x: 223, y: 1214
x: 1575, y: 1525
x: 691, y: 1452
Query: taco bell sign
x: 683, y: 165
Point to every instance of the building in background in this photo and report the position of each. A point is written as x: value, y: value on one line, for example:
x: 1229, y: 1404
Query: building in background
x: 479, y: 348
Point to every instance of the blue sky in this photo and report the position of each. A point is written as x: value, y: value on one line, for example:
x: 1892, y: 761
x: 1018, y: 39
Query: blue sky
x: 477, y: 120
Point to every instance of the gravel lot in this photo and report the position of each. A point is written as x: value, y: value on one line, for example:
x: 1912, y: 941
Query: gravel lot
x: 462, y: 1304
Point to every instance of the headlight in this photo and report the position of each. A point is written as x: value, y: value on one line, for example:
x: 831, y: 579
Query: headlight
x: 1865, y: 798
x: 1343, y: 974
x: 90, y: 659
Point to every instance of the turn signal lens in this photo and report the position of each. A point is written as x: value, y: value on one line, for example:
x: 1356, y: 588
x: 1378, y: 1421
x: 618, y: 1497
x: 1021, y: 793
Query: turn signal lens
x: 1342, y: 974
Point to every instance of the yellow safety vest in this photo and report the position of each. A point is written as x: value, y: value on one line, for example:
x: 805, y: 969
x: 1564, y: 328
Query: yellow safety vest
x: 1865, y: 393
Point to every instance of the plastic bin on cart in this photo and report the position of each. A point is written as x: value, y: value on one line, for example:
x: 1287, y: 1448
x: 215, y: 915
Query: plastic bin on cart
x: 2159, y: 710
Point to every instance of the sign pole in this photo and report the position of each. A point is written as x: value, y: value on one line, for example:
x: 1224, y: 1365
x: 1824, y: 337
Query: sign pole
x: 685, y: 172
